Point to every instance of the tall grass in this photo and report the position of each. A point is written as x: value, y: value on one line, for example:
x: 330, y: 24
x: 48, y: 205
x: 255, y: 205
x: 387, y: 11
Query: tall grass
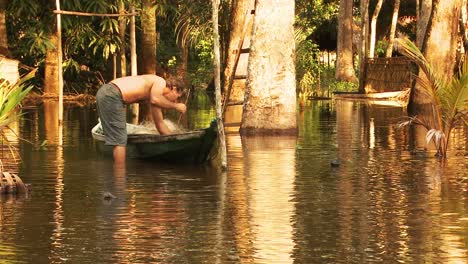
x: 449, y: 98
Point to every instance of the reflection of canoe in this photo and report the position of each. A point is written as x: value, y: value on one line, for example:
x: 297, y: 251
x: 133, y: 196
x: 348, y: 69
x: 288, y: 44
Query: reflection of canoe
x: 189, y: 147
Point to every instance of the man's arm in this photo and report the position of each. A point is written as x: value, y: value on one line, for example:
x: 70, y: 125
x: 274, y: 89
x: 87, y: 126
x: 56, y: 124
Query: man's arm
x: 157, y: 99
x: 159, y: 120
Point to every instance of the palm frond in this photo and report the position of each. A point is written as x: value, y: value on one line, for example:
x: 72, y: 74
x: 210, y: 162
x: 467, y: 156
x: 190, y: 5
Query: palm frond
x: 449, y: 97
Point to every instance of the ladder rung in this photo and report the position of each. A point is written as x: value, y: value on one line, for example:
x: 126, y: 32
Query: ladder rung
x: 240, y: 77
x: 246, y: 50
x: 235, y: 103
x: 236, y: 124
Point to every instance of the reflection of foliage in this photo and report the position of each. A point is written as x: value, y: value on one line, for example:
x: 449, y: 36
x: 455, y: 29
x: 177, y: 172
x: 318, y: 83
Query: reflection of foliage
x: 449, y: 98
x: 11, y: 96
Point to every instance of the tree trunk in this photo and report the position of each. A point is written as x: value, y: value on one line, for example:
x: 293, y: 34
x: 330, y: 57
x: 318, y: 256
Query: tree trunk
x: 344, y: 54
x: 133, y: 62
x: 122, y: 65
x: 3, y: 31
x: 270, y: 96
x: 391, y: 37
x: 184, y: 52
x: 464, y: 25
x: 240, y: 12
x: 217, y: 82
x: 148, y: 24
x: 51, y: 71
x: 425, y: 8
x: 364, y: 44
x: 373, y: 28
x: 439, y: 47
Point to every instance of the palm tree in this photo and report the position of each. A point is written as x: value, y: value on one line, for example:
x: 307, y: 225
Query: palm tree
x: 11, y: 96
x: 448, y: 97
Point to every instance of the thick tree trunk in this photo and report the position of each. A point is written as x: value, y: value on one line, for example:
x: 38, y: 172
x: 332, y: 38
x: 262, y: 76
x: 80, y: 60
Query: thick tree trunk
x: 51, y: 72
x: 3, y: 31
x: 270, y: 99
x: 148, y: 24
x: 391, y: 37
x: 439, y: 47
x: 373, y: 32
x: 344, y: 54
x: 364, y: 43
x: 240, y: 12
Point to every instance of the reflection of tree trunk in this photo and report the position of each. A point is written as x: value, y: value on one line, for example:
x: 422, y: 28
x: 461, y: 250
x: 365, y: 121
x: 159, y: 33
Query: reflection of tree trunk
x: 51, y: 123
x: 364, y: 43
x: 270, y: 99
x: 344, y: 53
x: 273, y: 158
x: 51, y: 85
x: 122, y: 28
x: 439, y: 48
x: 3, y: 31
x: 148, y: 24
x: 391, y: 36
x: 373, y: 28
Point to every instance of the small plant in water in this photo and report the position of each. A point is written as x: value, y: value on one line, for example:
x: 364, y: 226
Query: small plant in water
x: 11, y: 96
x: 449, y: 98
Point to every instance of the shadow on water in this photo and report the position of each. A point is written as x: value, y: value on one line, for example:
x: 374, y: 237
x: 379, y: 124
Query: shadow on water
x: 280, y: 201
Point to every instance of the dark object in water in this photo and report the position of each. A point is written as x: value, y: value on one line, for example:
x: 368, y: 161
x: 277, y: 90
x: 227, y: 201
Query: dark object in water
x: 189, y: 147
x: 335, y: 163
x: 12, y: 184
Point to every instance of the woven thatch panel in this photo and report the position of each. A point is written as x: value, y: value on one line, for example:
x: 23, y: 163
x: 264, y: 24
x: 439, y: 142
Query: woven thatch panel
x: 387, y: 75
x: 9, y: 70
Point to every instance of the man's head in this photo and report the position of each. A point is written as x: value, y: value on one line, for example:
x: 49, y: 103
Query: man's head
x: 174, y: 89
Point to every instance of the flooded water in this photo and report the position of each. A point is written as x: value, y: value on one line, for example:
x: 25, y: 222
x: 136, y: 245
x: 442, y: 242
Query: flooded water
x: 281, y: 200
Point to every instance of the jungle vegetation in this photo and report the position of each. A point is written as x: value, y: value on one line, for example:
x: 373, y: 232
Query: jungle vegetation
x: 183, y: 42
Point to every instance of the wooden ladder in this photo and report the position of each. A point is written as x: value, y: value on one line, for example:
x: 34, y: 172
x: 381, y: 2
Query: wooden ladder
x: 248, y: 22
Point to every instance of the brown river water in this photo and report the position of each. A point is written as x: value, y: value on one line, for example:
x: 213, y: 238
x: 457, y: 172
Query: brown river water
x: 280, y: 201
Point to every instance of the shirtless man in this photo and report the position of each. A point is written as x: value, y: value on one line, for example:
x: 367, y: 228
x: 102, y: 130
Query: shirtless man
x: 113, y: 97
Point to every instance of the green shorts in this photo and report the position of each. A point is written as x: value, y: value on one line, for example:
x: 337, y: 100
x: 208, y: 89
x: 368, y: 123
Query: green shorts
x: 112, y: 112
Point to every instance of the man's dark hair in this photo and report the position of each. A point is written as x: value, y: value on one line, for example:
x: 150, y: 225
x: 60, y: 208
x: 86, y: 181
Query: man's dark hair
x: 173, y: 82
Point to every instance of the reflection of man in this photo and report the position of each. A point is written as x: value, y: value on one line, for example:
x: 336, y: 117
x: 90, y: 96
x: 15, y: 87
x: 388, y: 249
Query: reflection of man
x: 112, y: 98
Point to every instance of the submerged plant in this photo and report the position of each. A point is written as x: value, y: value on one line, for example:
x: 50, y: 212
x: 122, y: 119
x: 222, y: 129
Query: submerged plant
x: 11, y: 96
x: 449, y: 98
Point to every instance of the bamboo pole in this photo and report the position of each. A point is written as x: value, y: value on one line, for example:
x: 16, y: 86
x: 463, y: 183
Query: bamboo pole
x: 133, y: 59
x: 217, y: 81
x: 63, y: 12
x: 60, y: 74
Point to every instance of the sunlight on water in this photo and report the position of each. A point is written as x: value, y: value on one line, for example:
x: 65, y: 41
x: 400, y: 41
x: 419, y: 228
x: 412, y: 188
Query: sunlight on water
x: 281, y: 200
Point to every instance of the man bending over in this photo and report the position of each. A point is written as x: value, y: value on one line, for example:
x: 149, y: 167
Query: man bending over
x: 112, y: 98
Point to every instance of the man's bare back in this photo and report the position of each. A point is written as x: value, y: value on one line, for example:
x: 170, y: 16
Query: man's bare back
x: 138, y: 88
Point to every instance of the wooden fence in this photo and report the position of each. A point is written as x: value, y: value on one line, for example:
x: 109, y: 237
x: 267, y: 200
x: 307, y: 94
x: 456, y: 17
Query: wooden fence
x: 388, y: 75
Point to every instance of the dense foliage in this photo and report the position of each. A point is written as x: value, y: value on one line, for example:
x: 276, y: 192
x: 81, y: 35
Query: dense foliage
x: 90, y: 42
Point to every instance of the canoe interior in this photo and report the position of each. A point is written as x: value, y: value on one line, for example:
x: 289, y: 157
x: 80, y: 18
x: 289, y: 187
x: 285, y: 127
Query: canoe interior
x: 190, y: 147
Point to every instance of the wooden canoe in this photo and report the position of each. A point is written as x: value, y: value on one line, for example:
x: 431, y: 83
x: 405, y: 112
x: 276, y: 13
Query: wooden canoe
x: 189, y: 147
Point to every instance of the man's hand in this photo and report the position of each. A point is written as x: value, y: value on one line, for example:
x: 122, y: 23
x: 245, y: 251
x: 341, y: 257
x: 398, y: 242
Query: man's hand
x: 181, y: 107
